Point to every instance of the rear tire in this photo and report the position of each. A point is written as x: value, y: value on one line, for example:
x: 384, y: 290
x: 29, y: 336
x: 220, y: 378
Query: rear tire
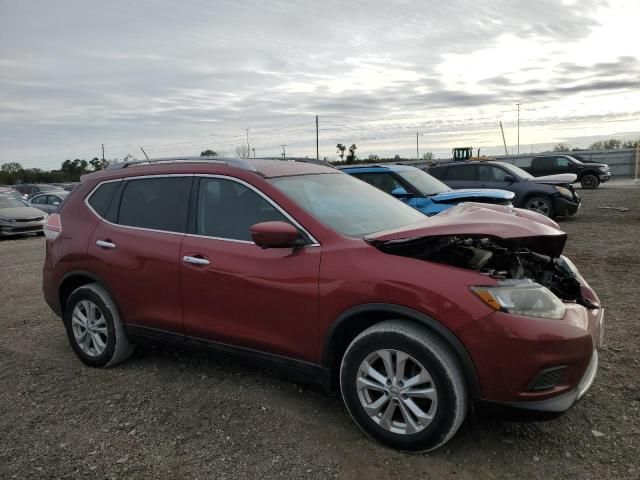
x: 403, y: 386
x: 542, y: 205
x: 589, y: 181
x: 94, y: 328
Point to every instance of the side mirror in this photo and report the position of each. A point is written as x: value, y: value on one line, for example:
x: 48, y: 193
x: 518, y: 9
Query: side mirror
x: 400, y: 192
x: 274, y: 235
x: 509, y: 178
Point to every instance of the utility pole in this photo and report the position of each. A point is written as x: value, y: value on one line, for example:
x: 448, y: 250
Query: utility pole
x: 417, y: 148
x: 254, y: 152
x: 284, y: 152
x: 503, y: 140
x: 518, y: 128
x: 248, y: 147
x: 317, y: 148
x: 103, y: 152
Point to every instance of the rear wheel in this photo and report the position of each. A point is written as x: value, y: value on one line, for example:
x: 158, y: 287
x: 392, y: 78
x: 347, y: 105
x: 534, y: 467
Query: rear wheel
x: 403, y: 386
x: 94, y: 328
x: 542, y: 205
x: 589, y: 181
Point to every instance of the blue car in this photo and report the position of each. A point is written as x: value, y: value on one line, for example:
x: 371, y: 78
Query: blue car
x: 423, y: 192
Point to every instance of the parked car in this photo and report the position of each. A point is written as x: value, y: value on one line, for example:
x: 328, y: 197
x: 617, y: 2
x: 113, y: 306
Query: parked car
x: 590, y: 175
x: 303, y: 267
x: 17, y: 217
x: 421, y: 191
x: 30, y: 189
x: 48, y: 202
x: 552, y: 195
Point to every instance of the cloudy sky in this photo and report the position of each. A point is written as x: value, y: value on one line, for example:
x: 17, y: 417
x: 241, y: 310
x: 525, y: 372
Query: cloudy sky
x: 179, y: 77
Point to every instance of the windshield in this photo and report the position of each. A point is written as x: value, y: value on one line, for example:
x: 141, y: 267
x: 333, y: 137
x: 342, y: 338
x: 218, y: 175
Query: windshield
x: 11, y: 202
x: 516, y: 170
x: 423, y: 182
x: 346, y: 204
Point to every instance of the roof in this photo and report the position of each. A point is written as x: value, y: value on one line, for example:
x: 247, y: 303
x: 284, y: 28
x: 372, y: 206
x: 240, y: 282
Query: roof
x: 265, y: 167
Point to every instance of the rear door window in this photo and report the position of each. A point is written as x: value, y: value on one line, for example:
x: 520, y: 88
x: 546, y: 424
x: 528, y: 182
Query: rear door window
x: 439, y: 172
x: 156, y: 203
x: 102, y: 197
x: 464, y: 172
x: 384, y: 181
x: 227, y: 209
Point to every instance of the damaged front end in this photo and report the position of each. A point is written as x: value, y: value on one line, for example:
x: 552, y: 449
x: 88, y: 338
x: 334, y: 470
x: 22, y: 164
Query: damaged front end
x: 510, y: 247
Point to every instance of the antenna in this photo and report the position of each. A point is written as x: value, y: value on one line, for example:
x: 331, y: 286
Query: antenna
x: 503, y: 140
x: 145, y: 153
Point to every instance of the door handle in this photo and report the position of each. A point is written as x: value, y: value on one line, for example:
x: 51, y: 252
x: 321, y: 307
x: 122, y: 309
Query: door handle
x: 106, y: 244
x: 195, y: 260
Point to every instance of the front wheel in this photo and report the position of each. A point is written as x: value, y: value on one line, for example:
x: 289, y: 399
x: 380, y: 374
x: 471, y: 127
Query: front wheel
x: 403, y: 386
x: 589, y: 181
x: 542, y: 205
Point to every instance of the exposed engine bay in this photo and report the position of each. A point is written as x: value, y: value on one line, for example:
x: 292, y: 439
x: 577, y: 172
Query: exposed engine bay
x: 499, y: 259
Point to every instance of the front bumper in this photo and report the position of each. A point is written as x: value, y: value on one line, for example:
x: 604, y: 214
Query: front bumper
x: 564, y: 206
x: 604, y: 176
x: 8, y: 229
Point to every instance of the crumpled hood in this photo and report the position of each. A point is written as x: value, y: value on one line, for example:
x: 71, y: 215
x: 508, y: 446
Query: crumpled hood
x: 525, y: 228
x: 473, y: 193
x: 21, y: 213
x: 559, y: 179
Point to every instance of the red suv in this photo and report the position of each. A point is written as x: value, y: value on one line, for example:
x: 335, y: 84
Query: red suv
x: 303, y: 267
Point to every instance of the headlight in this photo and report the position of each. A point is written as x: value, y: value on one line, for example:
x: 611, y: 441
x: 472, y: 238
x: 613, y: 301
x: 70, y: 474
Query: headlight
x: 564, y: 191
x: 603, y: 169
x: 522, y: 298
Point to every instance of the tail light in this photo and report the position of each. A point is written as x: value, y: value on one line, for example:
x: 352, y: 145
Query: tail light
x: 53, y: 227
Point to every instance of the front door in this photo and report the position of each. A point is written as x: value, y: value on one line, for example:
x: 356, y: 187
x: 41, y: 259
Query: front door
x: 237, y: 293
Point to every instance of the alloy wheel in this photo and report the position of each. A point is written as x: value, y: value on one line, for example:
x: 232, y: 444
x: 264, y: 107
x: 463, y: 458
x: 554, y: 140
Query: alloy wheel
x: 540, y: 206
x: 89, y: 328
x: 396, y: 391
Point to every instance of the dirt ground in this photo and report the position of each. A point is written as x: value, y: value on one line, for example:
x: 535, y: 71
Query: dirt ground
x: 175, y: 414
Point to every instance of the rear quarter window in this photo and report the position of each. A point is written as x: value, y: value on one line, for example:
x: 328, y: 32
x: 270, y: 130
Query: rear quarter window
x: 102, y: 197
x: 439, y: 172
x: 462, y: 172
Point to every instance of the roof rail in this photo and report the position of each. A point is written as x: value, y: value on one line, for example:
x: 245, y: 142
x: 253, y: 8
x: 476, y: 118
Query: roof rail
x: 315, y: 161
x: 232, y: 162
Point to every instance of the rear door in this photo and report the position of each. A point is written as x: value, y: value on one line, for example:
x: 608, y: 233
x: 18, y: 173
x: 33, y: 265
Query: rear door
x: 237, y: 293
x: 462, y: 176
x: 135, y: 248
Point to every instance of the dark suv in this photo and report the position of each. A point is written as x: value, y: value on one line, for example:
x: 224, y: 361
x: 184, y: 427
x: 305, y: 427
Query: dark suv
x: 589, y: 174
x: 303, y: 267
x: 552, y: 195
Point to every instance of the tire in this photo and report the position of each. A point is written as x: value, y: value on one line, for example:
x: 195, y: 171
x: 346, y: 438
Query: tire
x: 589, y: 181
x: 107, y: 344
x: 542, y: 205
x: 445, y: 406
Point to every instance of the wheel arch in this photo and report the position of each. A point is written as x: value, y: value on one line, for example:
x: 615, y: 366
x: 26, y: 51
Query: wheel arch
x: 75, y: 279
x: 356, y: 319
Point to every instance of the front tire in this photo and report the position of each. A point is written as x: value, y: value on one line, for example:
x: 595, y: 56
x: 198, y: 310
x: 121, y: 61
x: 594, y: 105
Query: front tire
x: 542, y: 205
x: 94, y: 328
x: 403, y: 386
x: 589, y: 181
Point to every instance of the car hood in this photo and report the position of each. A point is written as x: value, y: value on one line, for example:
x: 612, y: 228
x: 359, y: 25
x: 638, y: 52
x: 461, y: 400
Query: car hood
x: 21, y: 213
x: 559, y: 179
x: 472, y: 193
x: 523, y: 228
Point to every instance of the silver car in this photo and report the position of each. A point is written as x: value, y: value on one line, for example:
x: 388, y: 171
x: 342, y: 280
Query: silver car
x: 17, y: 217
x: 48, y: 201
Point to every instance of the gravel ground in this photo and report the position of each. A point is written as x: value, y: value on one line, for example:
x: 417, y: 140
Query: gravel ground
x: 168, y: 413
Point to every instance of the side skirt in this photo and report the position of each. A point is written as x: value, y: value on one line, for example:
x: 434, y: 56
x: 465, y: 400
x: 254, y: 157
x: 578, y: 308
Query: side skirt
x: 293, y: 369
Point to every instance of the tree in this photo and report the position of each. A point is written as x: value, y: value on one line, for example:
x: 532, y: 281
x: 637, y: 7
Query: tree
x: 561, y: 147
x: 209, y: 153
x: 243, y: 152
x: 611, y: 144
x: 631, y: 143
x: 397, y: 157
x: 11, y: 168
x: 352, y: 153
x: 98, y: 164
x: 72, y: 170
x: 341, y: 148
x: 374, y: 158
x: 428, y: 156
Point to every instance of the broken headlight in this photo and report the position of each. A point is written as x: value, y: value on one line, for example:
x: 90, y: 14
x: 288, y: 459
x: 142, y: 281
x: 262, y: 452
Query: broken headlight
x: 522, y: 298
